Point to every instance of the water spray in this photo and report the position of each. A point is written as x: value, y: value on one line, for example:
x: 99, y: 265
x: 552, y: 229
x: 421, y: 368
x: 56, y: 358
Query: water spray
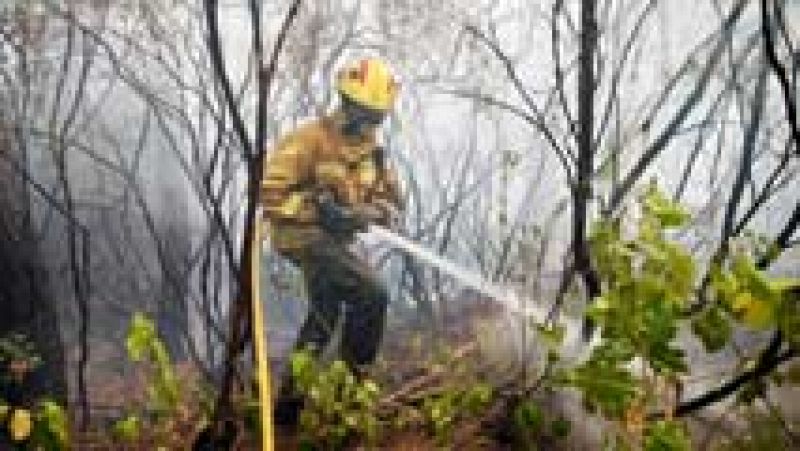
x: 533, y: 312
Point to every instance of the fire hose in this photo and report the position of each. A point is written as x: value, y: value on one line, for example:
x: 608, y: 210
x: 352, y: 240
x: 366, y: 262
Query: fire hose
x: 260, y: 343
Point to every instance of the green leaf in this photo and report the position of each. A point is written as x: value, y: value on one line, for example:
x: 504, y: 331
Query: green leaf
x: 144, y: 345
x: 141, y: 334
x: 751, y: 280
x: 603, y: 309
x: 303, y: 368
x: 659, y: 328
x: 54, y: 419
x: 756, y: 313
x: 713, y: 329
x: 669, y: 214
x: 723, y: 284
x: 604, y: 380
x: 477, y: 397
x: 752, y: 298
x: 337, y: 404
x: 528, y: 417
x: 371, y: 387
x: 664, y: 435
x: 128, y: 429
x: 680, y: 274
x: 561, y: 427
x: 786, y: 285
x: 552, y: 336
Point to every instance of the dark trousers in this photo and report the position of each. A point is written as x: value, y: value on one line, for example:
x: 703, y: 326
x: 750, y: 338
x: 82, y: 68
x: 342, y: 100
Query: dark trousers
x: 342, y: 286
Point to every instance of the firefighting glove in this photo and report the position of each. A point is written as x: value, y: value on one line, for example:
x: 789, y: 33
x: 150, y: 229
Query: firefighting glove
x: 338, y: 219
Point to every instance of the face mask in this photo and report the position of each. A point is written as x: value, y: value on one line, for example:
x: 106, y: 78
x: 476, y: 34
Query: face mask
x: 354, y: 127
x: 358, y: 121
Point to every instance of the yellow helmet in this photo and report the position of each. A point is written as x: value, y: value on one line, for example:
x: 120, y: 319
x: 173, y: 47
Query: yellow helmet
x: 369, y: 83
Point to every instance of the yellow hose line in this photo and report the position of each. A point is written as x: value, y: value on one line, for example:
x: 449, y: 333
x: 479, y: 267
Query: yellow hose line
x: 260, y: 343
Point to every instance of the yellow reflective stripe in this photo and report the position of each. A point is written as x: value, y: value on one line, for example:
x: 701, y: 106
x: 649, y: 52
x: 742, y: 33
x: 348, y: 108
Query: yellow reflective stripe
x: 331, y: 171
x: 292, y: 205
x: 367, y: 173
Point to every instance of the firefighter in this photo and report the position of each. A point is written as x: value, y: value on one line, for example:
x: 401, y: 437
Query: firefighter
x: 322, y: 184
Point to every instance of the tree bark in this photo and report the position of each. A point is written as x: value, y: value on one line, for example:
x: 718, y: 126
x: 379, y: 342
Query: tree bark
x: 582, y: 190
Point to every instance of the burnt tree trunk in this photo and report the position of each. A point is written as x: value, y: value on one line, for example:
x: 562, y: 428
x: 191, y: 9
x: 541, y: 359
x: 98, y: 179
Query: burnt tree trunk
x: 582, y: 190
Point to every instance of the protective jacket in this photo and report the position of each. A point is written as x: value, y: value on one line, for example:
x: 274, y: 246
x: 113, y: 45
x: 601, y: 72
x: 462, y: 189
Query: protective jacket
x: 317, y: 158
